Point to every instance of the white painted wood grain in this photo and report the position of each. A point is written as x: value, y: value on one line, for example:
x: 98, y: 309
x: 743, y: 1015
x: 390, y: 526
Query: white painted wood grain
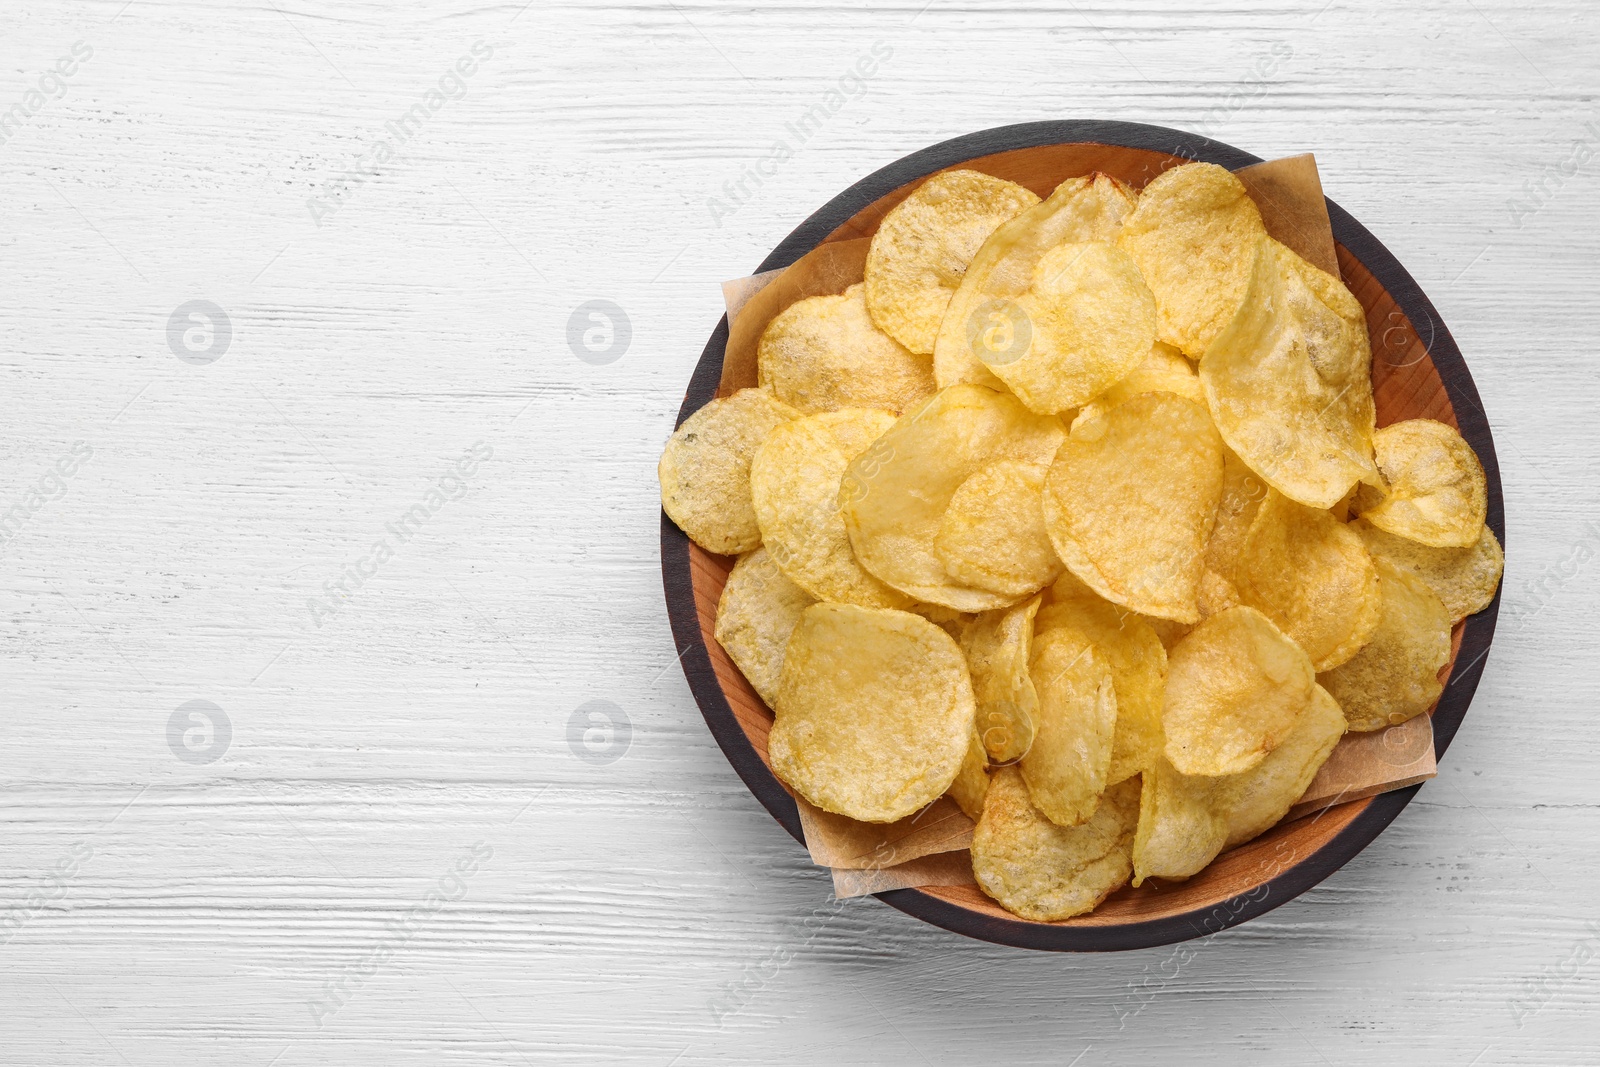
x: 169, y: 912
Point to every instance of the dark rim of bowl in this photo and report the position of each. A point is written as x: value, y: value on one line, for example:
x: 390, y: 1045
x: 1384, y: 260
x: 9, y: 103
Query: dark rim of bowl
x: 1292, y: 881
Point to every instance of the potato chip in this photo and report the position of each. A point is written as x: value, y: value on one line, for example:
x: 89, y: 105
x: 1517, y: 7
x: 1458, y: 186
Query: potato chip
x: 1311, y: 575
x: 1180, y: 829
x: 1242, y: 494
x: 1464, y: 579
x: 705, y: 470
x: 823, y: 353
x: 922, y: 248
x: 1435, y: 493
x: 1164, y: 370
x: 992, y: 535
x: 971, y: 784
x: 1216, y: 594
x: 1042, y: 871
x: 874, y: 712
x: 1074, y: 726
x: 1235, y: 688
x: 896, y: 492
x: 1193, y: 235
x: 1396, y: 674
x: 1130, y: 501
x: 1289, y: 381
x: 1257, y: 800
x: 949, y: 620
x: 757, y: 613
x: 999, y: 646
x: 983, y: 317
x: 794, y: 484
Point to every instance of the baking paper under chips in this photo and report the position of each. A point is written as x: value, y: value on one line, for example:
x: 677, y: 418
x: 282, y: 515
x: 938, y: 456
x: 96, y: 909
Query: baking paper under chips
x: 1193, y: 235
x: 1130, y: 501
x: 1041, y: 871
x: 1435, y: 493
x: 999, y: 645
x: 874, y: 712
x: 823, y: 353
x: 705, y: 469
x: 920, y: 253
x: 1396, y: 675
x: 757, y: 613
x: 1289, y: 381
x: 1464, y: 579
x: 992, y: 535
x: 1067, y: 767
x: 895, y: 493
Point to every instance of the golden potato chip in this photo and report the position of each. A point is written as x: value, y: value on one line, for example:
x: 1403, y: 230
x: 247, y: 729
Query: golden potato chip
x: 794, y: 485
x: 922, y: 248
x: 1073, y: 729
x: 1193, y: 235
x: 983, y: 317
x: 999, y: 646
x: 1396, y: 674
x: 1289, y: 381
x: 1257, y: 800
x: 1242, y: 494
x: 1180, y: 829
x: 1464, y: 579
x: 949, y: 620
x: 896, y: 492
x: 1089, y: 322
x: 823, y: 353
x: 874, y: 712
x: 1436, y: 493
x: 971, y: 784
x: 1311, y: 575
x: 1164, y: 370
x: 1216, y: 594
x: 1130, y: 500
x: 1235, y: 688
x: 757, y: 613
x: 1042, y: 871
x: 992, y: 535
x: 705, y: 470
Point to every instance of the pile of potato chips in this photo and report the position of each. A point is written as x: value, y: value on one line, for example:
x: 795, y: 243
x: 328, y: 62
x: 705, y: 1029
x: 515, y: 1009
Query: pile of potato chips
x: 1053, y: 513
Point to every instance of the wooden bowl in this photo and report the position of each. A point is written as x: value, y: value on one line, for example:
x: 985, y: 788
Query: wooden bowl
x: 1417, y: 372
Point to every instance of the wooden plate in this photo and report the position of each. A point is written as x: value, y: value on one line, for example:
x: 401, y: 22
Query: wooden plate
x: 1417, y: 373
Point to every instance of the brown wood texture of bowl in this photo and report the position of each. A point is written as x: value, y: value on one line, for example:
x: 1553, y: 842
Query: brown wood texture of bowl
x: 1417, y: 372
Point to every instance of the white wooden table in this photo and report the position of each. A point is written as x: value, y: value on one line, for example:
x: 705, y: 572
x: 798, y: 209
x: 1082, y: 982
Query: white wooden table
x: 388, y: 838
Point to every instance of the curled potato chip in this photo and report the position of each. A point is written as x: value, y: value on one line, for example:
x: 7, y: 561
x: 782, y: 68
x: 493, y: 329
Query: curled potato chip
x: 1130, y: 500
x: 983, y: 317
x: 923, y: 245
x: 1074, y: 726
x: 705, y: 469
x: 1289, y: 380
x: 1193, y: 235
x: 1042, y: 871
x: 794, y: 485
x: 1164, y: 370
x: 1235, y: 687
x: 1242, y: 494
x: 874, y: 712
x: 992, y: 535
x: 1464, y: 579
x: 1396, y: 674
x: 823, y: 353
x: 1254, y: 802
x: 757, y: 613
x: 999, y: 645
x: 1180, y: 829
x: 1435, y: 493
x: 895, y: 494
x: 1311, y: 575
x: 971, y: 784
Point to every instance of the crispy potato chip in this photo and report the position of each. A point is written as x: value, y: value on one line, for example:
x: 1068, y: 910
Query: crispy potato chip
x: 1396, y: 674
x: 1216, y: 594
x: 757, y: 613
x: 1257, y: 800
x: 794, y: 485
x: 1242, y: 494
x: 1074, y: 726
x: 705, y: 470
x: 823, y: 353
x: 992, y: 535
x: 895, y: 493
x: 1289, y: 381
x: 983, y: 317
x: 1193, y: 235
x: 949, y: 620
x: 1436, y: 492
x: 999, y: 645
x: 1180, y: 829
x: 1235, y: 688
x: 874, y: 712
x: 1088, y: 321
x: 1041, y: 871
x: 1164, y: 370
x: 1464, y: 579
x: 922, y: 248
x: 1311, y: 575
x: 971, y: 784
x: 1070, y: 586
x: 1130, y: 501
